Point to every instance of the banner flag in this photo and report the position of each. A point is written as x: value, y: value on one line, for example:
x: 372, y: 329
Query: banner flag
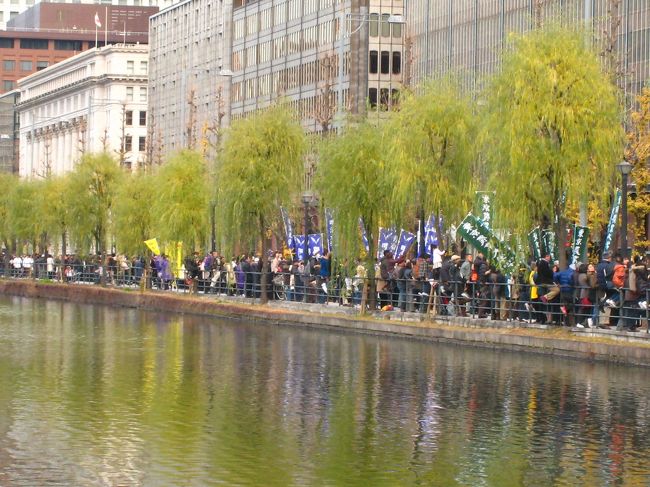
x: 479, y: 236
x: 404, y: 243
x: 579, y: 250
x: 315, y: 244
x: 549, y: 244
x: 387, y: 241
x: 483, y: 206
x: 299, y: 246
x: 364, y: 235
x: 288, y: 227
x: 152, y: 244
x: 613, y: 218
x: 430, y: 232
x: 329, y: 220
x: 535, y: 241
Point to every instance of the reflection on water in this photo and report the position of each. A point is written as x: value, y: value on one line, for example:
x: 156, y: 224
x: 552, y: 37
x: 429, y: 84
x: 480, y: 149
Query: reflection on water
x: 100, y: 396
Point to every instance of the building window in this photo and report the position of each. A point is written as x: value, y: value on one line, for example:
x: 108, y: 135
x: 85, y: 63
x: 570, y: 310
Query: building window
x: 374, y: 25
x: 25, y: 65
x: 128, y: 143
x: 128, y: 118
x: 143, y: 93
x: 372, y: 97
x: 130, y: 67
x: 384, y: 95
x: 142, y: 143
x: 385, y: 62
x: 397, y: 62
x: 374, y: 62
x: 385, y: 26
x: 129, y: 93
x: 41, y: 65
x: 397, y: 30
x: 6, y: 43
x: 33, y: 43
x: 143, y: 118
x: 12, y: 15
x: 144, y: 66
x: 8, y: 85
x: 67, y: 45
x: 8, y: 65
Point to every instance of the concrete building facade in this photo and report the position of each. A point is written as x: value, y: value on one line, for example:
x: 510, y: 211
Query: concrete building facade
x: 189, y: 74
x: 94, y: 101
x: 467, y: 36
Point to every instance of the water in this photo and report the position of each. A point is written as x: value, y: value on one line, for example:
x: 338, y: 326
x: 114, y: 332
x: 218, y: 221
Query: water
x: 99, y: 396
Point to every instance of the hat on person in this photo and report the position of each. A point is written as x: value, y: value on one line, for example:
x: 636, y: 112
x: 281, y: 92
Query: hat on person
x: 607, y: 255
x: 455, y: 257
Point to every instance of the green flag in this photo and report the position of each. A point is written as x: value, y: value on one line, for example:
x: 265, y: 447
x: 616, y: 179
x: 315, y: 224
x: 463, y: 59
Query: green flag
x: 535, y: 241
x: 483, y: 207
x: 479, y: 236
x: 579, y: 249
x: 613, y: 218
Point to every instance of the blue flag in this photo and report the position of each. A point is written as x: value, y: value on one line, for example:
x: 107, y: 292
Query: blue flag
x: 299, y: 246
x: 329, y: 220
x: 387, y: 241
x: 364, y: 235
x: 315, y: 244
x: 406, y: 239
x: 430, y: 231
x: 288, y: 227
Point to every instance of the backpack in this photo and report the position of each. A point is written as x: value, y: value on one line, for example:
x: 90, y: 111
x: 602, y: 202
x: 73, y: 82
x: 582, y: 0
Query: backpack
x: 618, y: 279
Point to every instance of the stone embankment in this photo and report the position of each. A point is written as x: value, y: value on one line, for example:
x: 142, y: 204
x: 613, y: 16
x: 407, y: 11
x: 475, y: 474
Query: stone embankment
x: 595, y: 345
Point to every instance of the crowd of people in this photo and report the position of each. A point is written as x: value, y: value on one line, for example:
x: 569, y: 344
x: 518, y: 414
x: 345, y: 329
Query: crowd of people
x: 454, y: 285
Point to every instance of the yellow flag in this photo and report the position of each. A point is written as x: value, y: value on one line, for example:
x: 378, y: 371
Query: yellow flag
x: 152, y: 244
x: 179, y: 258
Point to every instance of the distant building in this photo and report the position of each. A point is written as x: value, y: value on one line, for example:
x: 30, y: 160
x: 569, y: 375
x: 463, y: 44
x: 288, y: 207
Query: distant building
x: 51, y: 32
x: 9, y: 132
x: 9, y: 10
x: 466, y: 36
x: 189, y: 74
x: 94, y: 101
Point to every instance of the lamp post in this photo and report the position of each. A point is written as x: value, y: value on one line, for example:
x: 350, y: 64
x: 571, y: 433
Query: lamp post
x: 307, y: 199
x: 625, y: 168
x: 345, y: 33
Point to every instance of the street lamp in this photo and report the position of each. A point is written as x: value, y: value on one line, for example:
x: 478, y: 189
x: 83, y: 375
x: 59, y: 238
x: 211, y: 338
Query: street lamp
x: 345, y: 19
x: 307, y: 199
x: 625, y: 168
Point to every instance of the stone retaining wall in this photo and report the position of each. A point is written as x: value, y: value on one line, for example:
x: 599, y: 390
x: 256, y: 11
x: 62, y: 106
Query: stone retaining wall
x: 552, y: 342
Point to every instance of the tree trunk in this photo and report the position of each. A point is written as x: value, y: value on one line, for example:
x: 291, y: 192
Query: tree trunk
x: 264, y: 298
x: 560, y: 236
x: 64, y: 251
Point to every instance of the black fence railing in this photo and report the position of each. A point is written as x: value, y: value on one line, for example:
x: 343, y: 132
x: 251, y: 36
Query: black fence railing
x: 511, y: 301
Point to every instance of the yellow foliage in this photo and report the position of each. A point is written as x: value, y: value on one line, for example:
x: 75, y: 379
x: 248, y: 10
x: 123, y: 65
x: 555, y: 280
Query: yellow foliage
x: 638, y: 153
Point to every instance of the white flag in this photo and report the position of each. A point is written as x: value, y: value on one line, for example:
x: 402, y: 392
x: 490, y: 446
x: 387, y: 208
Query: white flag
x: 97, y: 22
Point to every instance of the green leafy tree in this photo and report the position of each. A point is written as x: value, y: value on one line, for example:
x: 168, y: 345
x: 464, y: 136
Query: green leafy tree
x: 54, y: 210
x: 553, y: 129
x: 260, y: 170
x: 91, y: 192
x: 24, y: 208
x: 8, y: 183
x: 354, y: 178
x: 133, y: 218
x: 182, y: 204
x: 433, y: 152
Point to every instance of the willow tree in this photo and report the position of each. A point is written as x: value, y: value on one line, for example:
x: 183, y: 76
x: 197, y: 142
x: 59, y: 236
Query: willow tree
x: 133, y: 215
x: 54, y: 210
x: 433, y: 152
x: 354, y: 178
x: 260, y: 169
x: 181, y: 206
x: 8, y: 184
x: 91, y: 190
x: 553, y: 129
x: 24, y: 210
x: 638, y: 152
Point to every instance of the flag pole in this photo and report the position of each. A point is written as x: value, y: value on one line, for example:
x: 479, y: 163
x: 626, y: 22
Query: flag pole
x: 95, y: 36
x: 106, y: 27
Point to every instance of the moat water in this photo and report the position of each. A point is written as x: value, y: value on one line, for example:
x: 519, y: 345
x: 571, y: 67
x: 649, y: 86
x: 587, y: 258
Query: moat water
x: 92, y: 395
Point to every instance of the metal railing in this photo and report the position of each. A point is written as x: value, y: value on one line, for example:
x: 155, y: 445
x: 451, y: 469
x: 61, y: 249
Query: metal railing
x: 486, y: 300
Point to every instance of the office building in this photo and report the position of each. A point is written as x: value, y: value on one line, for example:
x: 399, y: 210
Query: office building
x: 467, y: 36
